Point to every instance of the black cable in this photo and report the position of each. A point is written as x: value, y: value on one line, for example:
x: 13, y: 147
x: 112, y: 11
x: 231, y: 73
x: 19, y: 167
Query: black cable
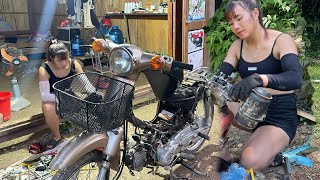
x: 123, y: 153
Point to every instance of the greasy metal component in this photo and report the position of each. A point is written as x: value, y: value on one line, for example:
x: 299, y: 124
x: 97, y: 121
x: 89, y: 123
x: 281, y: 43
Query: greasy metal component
x: 76, y: 148
x: 180, y: 141
x: 254, y: 109
x: 220, y: 87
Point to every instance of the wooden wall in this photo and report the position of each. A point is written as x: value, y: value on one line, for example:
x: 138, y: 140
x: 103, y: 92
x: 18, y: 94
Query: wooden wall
x: 16, y: 13
x: 150, y: 34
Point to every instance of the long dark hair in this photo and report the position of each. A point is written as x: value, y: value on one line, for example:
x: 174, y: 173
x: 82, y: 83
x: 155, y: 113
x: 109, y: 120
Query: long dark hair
x: 249, y: 5
x: 59, y: 50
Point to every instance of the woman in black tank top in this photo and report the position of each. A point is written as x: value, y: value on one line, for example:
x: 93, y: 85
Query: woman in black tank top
x: 57, y: 67
x: 264, y: 58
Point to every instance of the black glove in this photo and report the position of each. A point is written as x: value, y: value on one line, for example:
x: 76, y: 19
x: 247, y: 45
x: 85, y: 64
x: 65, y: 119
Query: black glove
x: 242, y: 89
x: 94, y: 98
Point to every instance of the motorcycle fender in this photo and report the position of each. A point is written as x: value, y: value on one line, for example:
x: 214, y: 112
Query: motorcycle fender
x: 76, y: 148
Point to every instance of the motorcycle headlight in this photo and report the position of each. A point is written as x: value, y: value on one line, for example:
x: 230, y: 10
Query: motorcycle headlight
x: 121, y: 61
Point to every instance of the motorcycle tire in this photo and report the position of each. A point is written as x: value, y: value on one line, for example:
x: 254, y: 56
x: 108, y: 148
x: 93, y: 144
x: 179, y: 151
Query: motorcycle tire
x: 199, y: 113
x: 82, y: 168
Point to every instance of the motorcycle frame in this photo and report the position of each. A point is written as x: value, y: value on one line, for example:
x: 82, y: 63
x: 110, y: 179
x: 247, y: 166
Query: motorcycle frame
x: 86, y: 141
x: 110, y: 141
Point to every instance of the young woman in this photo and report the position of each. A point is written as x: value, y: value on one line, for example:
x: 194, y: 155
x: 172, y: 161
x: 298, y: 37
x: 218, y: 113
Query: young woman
x: 264, y: 58
x: 57, y: 67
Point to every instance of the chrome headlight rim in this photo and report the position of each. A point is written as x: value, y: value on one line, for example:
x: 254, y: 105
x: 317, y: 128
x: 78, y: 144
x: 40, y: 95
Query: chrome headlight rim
x: 113, y: 66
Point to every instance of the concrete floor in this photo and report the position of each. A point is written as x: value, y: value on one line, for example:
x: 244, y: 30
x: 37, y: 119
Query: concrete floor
x: 28, y: 83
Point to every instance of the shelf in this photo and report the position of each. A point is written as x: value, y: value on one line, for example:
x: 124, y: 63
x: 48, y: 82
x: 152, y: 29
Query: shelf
x: 68, y: 28
x: 155, y: 16
x: 68, y: 42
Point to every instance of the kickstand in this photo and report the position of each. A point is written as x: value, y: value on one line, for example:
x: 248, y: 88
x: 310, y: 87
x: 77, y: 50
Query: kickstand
x: 193, y: 168
x: 153, y: 170
x: 173, y: 176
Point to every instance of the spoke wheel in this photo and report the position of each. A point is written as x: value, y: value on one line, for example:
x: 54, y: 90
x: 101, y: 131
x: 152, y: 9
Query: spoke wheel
x: 86, y: 168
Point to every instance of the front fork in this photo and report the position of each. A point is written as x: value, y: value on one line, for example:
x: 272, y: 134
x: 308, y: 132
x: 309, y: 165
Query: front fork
x: 111, y: 150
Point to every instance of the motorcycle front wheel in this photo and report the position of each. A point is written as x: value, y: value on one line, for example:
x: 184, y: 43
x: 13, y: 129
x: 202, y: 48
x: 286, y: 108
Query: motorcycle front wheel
x: 87, y: 167
x: 202, y: 113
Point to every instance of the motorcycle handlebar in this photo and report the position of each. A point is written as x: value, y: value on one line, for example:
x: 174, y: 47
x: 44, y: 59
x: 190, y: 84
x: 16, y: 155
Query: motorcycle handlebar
x: 182, y: 65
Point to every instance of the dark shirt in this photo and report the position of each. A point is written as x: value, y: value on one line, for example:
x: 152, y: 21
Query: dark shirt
x: 270, y: 65
x: 53, y: 78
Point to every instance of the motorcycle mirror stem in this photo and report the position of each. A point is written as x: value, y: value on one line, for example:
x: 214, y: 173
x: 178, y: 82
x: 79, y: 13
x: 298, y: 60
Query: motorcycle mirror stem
x: 95, y: 21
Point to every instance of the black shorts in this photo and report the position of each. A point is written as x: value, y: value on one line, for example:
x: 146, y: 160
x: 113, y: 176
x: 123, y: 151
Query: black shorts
x: 282, y: 113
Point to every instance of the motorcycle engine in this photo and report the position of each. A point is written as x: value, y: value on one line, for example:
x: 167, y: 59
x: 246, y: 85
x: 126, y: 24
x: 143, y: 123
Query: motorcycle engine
x: 136, y: 158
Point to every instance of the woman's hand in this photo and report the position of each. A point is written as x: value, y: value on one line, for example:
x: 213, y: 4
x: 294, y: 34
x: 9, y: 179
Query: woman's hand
x: 242, y: 89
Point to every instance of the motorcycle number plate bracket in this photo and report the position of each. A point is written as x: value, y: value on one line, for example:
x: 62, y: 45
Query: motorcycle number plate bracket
x: 189, y: 82
x: 166, y: 115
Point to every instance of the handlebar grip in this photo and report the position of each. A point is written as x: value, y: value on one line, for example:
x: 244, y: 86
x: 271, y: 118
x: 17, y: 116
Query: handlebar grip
x: 182, y: 65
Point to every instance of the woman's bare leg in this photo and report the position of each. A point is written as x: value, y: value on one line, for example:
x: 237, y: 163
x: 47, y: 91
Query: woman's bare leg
x: 262, y: 146
x: 52, y: 119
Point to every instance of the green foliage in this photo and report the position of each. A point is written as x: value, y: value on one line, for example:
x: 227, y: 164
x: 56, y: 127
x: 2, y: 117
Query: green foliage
x: 313, y: 38
x: 314, y: 72
x: 219, y: 36
x: 282, y: 15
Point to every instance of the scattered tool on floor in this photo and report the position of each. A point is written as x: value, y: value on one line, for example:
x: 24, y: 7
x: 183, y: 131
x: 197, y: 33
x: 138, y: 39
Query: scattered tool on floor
x: 294, y: 156
x: 250, y: 174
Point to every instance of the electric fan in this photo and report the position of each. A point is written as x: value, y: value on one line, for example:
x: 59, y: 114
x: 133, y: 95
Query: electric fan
x: 13, y: 63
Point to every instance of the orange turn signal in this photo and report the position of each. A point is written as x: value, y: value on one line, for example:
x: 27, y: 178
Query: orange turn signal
x: 156, y: 62
x: 97, y: 46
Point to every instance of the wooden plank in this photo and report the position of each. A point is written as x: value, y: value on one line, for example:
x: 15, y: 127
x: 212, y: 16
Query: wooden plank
x: 23, y: 124
x: 185, y: 30
x: 23, y: 132
x: 61, y: 10
x: 151, y: 16
x: 306, y: 115
x: 14, y: 33
x: 20, y: 6
x: 29, y: 44
x: 170, y: 29
x: 6, y: 6
x: 30, y: 14
x: 22, y: 21
x: 11, y: 20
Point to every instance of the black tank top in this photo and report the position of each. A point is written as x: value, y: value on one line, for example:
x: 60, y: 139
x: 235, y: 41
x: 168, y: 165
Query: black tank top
x: 53, y: 78
x: 270, y: 65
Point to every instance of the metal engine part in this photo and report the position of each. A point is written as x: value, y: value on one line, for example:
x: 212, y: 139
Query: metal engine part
x: 166, y: 153
x: 136, y: 158
x: 254, y: 109
x: 219, y: 88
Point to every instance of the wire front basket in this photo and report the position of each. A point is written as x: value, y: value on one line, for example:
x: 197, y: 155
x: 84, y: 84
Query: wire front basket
x: 93, y: 101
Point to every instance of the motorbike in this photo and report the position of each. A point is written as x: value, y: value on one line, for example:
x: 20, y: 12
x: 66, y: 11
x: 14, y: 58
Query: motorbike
x: 102, y: 106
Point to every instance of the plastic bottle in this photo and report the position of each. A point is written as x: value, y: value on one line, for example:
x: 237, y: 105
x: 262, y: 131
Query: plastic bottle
x: 140, y: 4
x: 116, y: 35
x: 76, y: 49
x: 235, y: 172
x: 126, y: 6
